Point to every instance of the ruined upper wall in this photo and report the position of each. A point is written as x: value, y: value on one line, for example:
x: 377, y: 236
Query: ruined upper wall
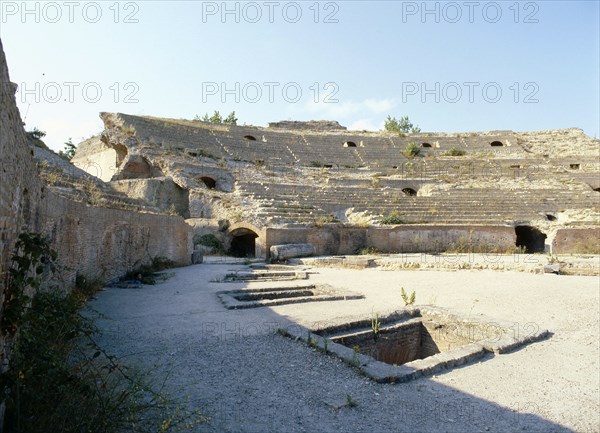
x: 20, y: 189
x: 311, y: 125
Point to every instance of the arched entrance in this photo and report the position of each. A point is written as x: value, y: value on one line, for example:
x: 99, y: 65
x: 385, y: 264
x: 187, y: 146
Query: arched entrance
x: 209, y: 182
x: 531, y: 239
x: 243, y: 243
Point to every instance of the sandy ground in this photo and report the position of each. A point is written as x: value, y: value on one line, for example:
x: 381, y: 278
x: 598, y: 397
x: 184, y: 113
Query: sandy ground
x: 247, y: 379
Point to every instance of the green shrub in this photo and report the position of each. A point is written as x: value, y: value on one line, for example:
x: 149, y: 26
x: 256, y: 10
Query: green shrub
x: 209, y: 240
x: 411, y: 150
x: 366, y: 251
x: 88, y: 285
x: 455, y: 151
x: 145, y: 273
x: 59, y: 379
x: 393, y: 217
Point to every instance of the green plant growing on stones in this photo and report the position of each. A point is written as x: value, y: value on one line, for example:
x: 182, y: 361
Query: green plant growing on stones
x: 454, y: 151
x: 408, y: 300
x: 309, y: 338
x: 411, y: 150
x: 94, y: 193
x: 172, y: 210
x: 365, y: 251
x: 316, y: 164
x: 375, y: 182
x: 325, y: 345
x: 394, y: 217
x: 321, y: 220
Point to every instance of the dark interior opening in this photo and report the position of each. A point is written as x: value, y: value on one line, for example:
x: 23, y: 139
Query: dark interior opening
x: 250, y: 137
x: 244, y: 244
x: 550, y: 217
x: 496, y: 144
x: 209, y: 182
x: 574, y: 166
x: 530, y: 238
x: 409, y: 191
x: 328, y: 165
x: 350, y: 144
x: 597, y: 189
x: 426, y: 145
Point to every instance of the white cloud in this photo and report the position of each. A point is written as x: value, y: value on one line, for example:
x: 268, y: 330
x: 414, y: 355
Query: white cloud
x: 365, y: 124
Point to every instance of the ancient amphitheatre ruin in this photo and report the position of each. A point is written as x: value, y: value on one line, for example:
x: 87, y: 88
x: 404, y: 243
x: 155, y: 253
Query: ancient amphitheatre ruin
x: 495, y: 232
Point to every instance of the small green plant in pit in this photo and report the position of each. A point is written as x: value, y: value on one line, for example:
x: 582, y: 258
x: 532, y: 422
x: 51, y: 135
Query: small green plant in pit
x: 316, y: 164
x: 350, y: 402
x: 455, y: 151
x: 375, y: 325
x: 325, y: 345
x: 309, y: 338
x: 375, y: 182
x: 393, y: 217
x: 408, y: 300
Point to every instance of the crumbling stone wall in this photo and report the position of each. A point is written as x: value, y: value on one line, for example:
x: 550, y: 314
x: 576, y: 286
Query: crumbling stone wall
x: 334, y: 239
x: 90, y: 240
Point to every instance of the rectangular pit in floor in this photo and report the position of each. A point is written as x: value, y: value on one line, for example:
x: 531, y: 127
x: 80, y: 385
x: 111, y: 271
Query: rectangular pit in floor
x: 415, y: 342
x: 405, y: 342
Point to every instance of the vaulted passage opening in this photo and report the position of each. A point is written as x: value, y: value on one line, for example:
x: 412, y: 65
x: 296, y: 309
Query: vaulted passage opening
x: 209, y: 182
x: 530, y: 238
x: 243, y: 243
x: 349, y: 144
x: 409, y: 191
x: 496, y: 144
x: 250, y: 137
x: 426, y: 145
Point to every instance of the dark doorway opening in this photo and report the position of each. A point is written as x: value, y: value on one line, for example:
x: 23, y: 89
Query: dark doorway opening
x: 243, y: 243
x: 409, y: 191
x: 250, y: 137
x: 530, y: 238
x: 426, y: 145
x: 350, y: 144
x: 209, y: 182
x: 496, y: 144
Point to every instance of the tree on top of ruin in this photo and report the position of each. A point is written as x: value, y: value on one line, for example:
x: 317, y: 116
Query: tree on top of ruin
x: 402, y: 126
x: 217, y: 118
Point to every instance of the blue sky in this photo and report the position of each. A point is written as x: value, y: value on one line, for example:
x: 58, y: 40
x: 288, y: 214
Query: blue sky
x: 449, y: 66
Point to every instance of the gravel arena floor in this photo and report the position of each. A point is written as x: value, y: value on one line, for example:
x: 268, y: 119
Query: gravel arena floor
x: 234, y: 367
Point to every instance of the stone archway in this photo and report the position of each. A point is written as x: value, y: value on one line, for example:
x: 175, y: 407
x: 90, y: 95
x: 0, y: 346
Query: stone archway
x: 243, y: 242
